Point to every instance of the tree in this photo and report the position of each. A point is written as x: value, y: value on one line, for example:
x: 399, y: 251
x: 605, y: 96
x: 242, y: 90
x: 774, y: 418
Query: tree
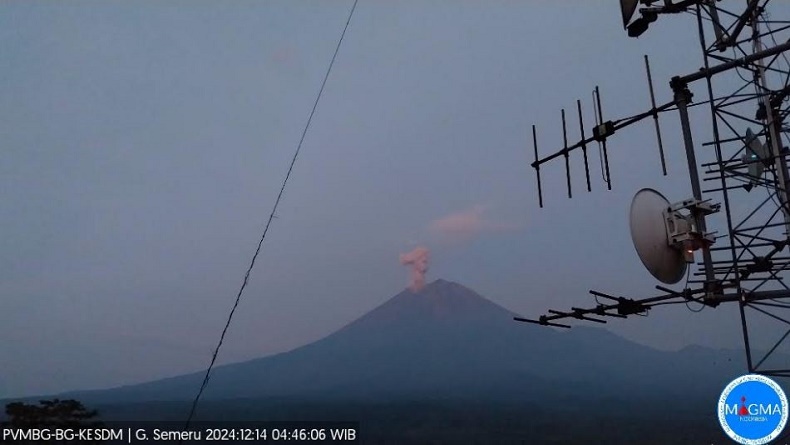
x: 50, y: 414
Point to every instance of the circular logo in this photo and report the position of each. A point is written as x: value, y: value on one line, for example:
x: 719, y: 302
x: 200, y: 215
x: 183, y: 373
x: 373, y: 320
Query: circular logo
x: 753, y: 409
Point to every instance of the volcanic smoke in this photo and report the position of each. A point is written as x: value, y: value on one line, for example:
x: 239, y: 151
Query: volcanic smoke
x: 418, y: 260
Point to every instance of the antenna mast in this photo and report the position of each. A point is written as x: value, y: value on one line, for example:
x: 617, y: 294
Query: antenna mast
x: 744, y: 85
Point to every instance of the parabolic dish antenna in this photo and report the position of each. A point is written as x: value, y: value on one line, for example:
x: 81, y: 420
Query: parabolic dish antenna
x: 649, y: 233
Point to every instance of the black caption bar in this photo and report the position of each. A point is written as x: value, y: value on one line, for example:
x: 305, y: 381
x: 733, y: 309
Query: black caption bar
x: 197, y: 433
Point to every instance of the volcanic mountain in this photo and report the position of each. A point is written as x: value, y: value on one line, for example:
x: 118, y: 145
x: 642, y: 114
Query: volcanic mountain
x: 447, y: 341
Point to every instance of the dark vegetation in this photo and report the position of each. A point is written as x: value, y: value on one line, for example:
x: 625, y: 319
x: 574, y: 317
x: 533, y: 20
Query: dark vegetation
x: 50, y: 414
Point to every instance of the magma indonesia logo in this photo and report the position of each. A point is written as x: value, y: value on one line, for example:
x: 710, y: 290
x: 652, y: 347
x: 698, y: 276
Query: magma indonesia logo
x: 753, y: 409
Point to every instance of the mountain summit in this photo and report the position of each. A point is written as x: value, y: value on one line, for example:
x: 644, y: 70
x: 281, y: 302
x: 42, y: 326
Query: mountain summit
x: 448, y: 341
x: 438, y: 302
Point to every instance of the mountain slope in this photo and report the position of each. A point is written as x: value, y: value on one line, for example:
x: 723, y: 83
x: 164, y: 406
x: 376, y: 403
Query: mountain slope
x: 448, y: 341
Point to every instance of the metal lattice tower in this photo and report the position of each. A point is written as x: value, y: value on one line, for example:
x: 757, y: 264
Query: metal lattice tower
x: 739, y: 205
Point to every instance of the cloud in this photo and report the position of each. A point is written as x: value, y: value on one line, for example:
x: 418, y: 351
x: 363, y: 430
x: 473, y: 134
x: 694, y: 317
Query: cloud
x: 468, y: 224
x: 283, y: 55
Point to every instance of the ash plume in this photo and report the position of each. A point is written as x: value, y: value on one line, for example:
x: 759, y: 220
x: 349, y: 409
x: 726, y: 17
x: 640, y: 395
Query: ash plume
x: 418, y: 260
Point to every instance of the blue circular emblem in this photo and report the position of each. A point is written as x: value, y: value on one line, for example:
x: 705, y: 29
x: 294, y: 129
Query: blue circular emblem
x: 753, y: 410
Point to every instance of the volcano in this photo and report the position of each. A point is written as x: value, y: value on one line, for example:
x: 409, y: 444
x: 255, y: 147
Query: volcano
x: 447, y: 341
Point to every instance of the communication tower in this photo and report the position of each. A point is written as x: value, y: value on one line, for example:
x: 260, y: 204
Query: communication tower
x: 731, y: 237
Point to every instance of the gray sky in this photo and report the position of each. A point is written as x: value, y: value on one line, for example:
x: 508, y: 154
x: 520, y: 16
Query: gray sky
x: 144, y: 143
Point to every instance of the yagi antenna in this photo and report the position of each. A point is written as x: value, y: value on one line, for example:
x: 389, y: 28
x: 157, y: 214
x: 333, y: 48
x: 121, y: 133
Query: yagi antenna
x: 655, y: 116
x: 748, y: 263
x: 602, y: 130
x: 567, y: 156
x: 584, y: 145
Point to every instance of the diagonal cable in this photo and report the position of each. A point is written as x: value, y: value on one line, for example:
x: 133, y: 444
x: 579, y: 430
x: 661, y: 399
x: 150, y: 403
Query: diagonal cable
x: 268, y: 224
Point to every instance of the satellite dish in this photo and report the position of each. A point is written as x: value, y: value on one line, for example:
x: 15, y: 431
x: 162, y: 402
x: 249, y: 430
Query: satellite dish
x: 649, y: 233
x: 628, y: 8
x: 755, y: 155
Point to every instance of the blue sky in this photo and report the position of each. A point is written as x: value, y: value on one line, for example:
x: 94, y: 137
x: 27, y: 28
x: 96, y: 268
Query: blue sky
x: 144, y: 144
